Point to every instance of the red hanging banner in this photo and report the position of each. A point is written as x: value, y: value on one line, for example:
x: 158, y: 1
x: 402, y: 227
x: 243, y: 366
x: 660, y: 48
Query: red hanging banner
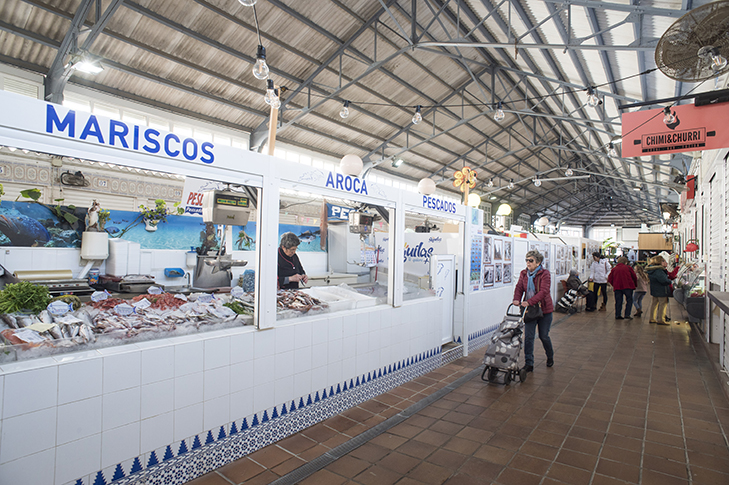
x: 693, y: 129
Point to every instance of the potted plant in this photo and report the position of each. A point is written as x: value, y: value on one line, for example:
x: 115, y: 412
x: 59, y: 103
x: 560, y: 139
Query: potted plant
x: 154, y: 215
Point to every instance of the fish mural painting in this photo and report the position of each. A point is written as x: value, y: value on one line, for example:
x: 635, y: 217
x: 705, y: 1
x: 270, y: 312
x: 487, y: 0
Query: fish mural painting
x: 30, y: 224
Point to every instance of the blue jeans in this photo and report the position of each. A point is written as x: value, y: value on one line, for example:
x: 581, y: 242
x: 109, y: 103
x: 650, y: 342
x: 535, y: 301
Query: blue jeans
x: 619, y: 302
x: 638, y: 299
x: 529, y: 330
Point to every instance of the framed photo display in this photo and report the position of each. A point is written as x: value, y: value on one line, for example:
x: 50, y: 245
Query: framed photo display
x: 488, y: 275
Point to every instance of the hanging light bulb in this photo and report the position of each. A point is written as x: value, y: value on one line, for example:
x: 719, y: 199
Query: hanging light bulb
x: 668, y: 117
x: 718, y: 62
x: 569, y: 172
x: 511, y: 183
x: 417, y: 117
x: 271, y: 97
x: 612, y: 152
x: 344, y: 113
x: 260, y: 68
x: 491, y: 183
x: 499, y: 115
x: 592, y: 100
x: 248, y: 3
x: 537, y: 183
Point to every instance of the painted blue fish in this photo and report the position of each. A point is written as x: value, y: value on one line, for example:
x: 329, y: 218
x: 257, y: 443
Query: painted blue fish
x: 23, y: 230
x: 308, y: 236
x: 112, y: 230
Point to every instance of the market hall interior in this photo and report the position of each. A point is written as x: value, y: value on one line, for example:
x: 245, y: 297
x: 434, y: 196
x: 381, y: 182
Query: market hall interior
x: 401, y: 162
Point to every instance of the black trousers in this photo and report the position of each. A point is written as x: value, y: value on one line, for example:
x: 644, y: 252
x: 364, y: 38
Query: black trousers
x: 603, y: 291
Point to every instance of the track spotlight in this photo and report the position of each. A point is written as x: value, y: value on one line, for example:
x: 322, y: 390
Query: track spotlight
x: 417, y: 117
x: 569, y: 172
x: 537, y: 182
x: 491, y: 183
x: 511, y: 184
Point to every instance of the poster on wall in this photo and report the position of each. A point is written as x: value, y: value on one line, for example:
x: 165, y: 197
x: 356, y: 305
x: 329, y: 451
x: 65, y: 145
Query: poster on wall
x: 507, y: 272
x: 507, y: 250
x: 476, y: 254
x: 498, y: 249
x: 498, y: 268
x: 488, y: 244
x: 488, y: 275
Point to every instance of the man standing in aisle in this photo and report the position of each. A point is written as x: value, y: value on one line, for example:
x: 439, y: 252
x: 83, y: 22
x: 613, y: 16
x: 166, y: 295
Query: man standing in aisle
x: 623, y: 280
x: 598, y: 274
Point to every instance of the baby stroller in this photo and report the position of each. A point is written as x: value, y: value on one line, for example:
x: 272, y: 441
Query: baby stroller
x: 567, y: 304
x: 502, y: 354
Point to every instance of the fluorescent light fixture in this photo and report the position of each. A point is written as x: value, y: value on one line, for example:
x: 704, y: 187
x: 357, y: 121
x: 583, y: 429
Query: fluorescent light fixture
x: 397, y: 162
x: 88, y: 67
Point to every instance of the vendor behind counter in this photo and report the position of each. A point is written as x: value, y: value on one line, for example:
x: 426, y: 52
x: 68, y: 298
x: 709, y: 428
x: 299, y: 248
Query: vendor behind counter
x: 290, y: 270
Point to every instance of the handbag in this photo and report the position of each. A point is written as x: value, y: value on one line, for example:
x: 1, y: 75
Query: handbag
x: 534, y: 312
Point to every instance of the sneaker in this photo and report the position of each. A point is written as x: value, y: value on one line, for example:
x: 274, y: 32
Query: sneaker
x: 529, y: 368
x: 550, y: 362
x: 618, y: 317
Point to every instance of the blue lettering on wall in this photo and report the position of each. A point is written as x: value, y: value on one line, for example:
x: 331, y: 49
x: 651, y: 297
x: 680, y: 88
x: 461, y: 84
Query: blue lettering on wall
x: 92, y: 128
x: 116, y: 134
x: 68, y: 122
x: 418, y: 252
x: 345, y: 182
x: 118, y: 130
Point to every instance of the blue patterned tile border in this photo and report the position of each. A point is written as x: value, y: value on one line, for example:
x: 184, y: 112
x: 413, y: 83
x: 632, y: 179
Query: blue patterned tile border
x: 176, y: 464
x: 481, y: 338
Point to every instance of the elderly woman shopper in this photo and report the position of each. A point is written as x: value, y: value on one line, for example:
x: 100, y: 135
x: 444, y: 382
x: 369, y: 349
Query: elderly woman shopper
x: 623, y: 280
x: 290, y: 271
x: 659, y: 282
x: 534, y: 285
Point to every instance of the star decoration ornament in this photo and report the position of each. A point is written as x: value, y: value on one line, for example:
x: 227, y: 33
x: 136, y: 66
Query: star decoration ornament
x: 464, y: 178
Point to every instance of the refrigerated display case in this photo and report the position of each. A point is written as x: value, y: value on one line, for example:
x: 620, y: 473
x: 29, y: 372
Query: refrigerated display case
x: 690, y: 291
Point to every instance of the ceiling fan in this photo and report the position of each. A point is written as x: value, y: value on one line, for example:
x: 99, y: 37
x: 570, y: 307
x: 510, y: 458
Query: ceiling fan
x: 695, y: 48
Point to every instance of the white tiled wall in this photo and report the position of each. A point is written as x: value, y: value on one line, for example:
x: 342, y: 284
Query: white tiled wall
x: 69, y: 417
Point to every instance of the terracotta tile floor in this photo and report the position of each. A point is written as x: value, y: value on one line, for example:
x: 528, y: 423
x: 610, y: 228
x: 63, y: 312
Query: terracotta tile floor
x: 626, y: 402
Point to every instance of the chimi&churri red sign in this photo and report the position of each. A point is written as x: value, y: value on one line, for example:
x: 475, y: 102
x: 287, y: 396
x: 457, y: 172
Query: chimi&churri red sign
x: 694, y: 129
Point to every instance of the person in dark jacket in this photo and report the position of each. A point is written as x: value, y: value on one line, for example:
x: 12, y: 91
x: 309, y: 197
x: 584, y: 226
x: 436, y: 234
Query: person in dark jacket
x: 573, y: 281
x: 623, y: 280
x: 659, y: 282
x: 290, y: 271
x: 534, y: 285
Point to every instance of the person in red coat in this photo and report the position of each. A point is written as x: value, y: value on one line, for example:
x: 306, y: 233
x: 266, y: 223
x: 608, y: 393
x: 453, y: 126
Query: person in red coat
x: 623, y: 280
x: 534, y: 285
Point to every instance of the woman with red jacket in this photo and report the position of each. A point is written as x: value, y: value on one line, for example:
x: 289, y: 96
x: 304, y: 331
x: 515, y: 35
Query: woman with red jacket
x: 534, y: 285
x: 623, y: 280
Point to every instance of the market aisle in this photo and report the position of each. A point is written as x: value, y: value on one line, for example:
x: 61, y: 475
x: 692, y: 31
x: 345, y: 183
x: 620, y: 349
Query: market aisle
x: 626, y: 402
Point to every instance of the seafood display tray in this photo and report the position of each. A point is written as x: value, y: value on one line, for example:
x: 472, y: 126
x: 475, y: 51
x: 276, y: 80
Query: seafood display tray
x: 353, y: 298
